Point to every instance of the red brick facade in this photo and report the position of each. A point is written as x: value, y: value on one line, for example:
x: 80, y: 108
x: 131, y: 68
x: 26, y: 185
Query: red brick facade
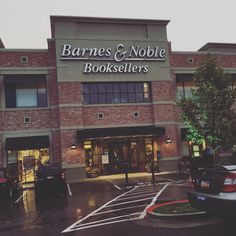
x: 66, y: 114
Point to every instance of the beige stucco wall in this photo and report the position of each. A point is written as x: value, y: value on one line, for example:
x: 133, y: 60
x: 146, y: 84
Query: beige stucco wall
x: 102, y: 35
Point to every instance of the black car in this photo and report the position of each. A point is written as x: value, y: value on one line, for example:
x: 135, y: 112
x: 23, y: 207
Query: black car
x: 214, y: 189
x: 8, y: 185
x: 50, y: 179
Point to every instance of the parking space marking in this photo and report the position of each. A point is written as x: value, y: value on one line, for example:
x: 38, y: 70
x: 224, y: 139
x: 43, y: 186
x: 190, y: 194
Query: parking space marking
x: 120, y: 209
x: 128, y: 206
x: 108, y: 219
x: 135, y: 196
x: 21, y: 196
x: 153, y: 201
x: 124, y: 203
x: 141, y: 192
x: 71, y: 228
x: 69, y: 190
x: 116, y: 186
x: 105, y: 223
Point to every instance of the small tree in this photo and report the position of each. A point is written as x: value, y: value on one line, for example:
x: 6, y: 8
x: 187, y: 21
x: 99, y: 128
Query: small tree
x: 208, y: 114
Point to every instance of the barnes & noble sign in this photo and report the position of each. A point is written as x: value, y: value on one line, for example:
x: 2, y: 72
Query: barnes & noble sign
x: 117, y: 60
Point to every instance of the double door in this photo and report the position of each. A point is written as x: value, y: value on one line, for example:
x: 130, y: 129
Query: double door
x: 120, y: 154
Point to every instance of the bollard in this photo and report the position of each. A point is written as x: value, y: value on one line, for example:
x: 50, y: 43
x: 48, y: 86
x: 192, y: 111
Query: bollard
x: 153, y: 174
x: 126, y: 172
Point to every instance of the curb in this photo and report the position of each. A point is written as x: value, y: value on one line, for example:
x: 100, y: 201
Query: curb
x: 153, y: 215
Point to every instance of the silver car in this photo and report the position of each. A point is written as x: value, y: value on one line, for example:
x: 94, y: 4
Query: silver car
x: 214, y: 189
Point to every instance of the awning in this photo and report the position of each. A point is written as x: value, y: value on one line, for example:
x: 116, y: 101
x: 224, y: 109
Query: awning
x: 184, y: 77
x: 120, y: 131
x: 24, y: 143
x: 16, y: 79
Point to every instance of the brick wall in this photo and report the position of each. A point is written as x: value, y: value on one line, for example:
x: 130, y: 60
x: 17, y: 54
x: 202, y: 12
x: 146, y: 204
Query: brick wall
x: 69, y: 93
x: 13, y: 59
x: 117, y: 115
x: 69, y: 156
x: 14, y: 120
x: 163, y: 91
x: 181, y: 60
x: 71, y: 116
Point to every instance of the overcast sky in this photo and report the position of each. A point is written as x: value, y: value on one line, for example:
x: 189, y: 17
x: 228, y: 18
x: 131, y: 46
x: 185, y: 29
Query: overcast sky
x: 193, y: 23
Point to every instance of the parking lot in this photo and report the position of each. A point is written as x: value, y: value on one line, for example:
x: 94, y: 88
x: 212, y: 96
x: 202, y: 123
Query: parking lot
x: 95, y: 208
x: 128, y: 206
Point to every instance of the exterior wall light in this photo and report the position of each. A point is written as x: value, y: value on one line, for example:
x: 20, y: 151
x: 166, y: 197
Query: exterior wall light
x: 168, y: 140
x: 73, y: 146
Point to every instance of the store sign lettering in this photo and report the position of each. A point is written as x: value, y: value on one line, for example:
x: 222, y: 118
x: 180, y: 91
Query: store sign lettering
x: 114, y: 58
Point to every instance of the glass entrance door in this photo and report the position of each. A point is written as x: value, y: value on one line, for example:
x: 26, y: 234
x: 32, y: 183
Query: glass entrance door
x: 118, y: 154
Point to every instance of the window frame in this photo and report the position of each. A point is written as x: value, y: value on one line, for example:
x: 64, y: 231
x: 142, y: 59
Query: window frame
x: 10, y: 89
x: 116, y: 92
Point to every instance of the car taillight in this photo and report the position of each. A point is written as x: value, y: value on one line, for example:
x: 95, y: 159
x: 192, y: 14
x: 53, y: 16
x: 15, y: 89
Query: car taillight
x: 3, y: 180
x: 229, y: 183
x: 63, y: 175
x: 191, y: 182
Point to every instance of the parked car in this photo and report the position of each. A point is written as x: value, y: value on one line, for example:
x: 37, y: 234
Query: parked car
x: 50, y: 179
x: 8, y: 185
x: 214, y: 188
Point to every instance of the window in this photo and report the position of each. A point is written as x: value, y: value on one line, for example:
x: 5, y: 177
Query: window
x: 24, y: 59
x: 184, y: 89
x: 107, y: 93
x: 23, y: 93
x: 135, y: 114
x: 26, y: 95
x: 190, y: 60
x: 100, y: 116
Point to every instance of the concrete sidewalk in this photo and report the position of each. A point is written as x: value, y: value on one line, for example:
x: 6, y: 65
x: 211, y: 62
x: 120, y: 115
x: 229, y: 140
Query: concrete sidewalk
x: 137, y: 177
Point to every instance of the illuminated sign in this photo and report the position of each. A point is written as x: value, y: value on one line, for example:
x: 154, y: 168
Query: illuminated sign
x: 114, y: 58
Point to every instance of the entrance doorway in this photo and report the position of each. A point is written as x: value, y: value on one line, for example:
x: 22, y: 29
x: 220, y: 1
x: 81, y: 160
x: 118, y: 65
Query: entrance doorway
x: 118, y: 155
x: 29, y: 161
x: 22, y: 164
x: 107, y: 156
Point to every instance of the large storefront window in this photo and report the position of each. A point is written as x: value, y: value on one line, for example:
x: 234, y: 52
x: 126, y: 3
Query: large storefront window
x: 108, y: 93
x: 26, y: 162
x: 25, y: 155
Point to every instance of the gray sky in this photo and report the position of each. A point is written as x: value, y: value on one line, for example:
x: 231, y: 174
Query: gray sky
x: 26, y: 23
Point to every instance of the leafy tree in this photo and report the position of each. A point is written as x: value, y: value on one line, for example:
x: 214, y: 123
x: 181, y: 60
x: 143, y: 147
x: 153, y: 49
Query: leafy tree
x: 208, y: 114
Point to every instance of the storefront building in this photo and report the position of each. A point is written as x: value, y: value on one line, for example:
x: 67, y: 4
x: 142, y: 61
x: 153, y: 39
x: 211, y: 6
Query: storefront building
x: 103, y: 95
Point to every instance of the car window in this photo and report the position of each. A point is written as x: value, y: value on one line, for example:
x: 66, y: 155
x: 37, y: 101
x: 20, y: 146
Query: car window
x: 228, y: 160
x: 2, y: 174
x: 49, y: 170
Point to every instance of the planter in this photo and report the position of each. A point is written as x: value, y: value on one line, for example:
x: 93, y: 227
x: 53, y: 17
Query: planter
x: 174, y: 210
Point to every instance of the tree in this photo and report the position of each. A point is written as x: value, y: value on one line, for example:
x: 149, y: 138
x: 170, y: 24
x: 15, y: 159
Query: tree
x: 208, y: 114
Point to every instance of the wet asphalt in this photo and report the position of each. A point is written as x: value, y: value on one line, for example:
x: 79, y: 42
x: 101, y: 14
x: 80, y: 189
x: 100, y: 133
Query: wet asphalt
x: 107, y: 207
